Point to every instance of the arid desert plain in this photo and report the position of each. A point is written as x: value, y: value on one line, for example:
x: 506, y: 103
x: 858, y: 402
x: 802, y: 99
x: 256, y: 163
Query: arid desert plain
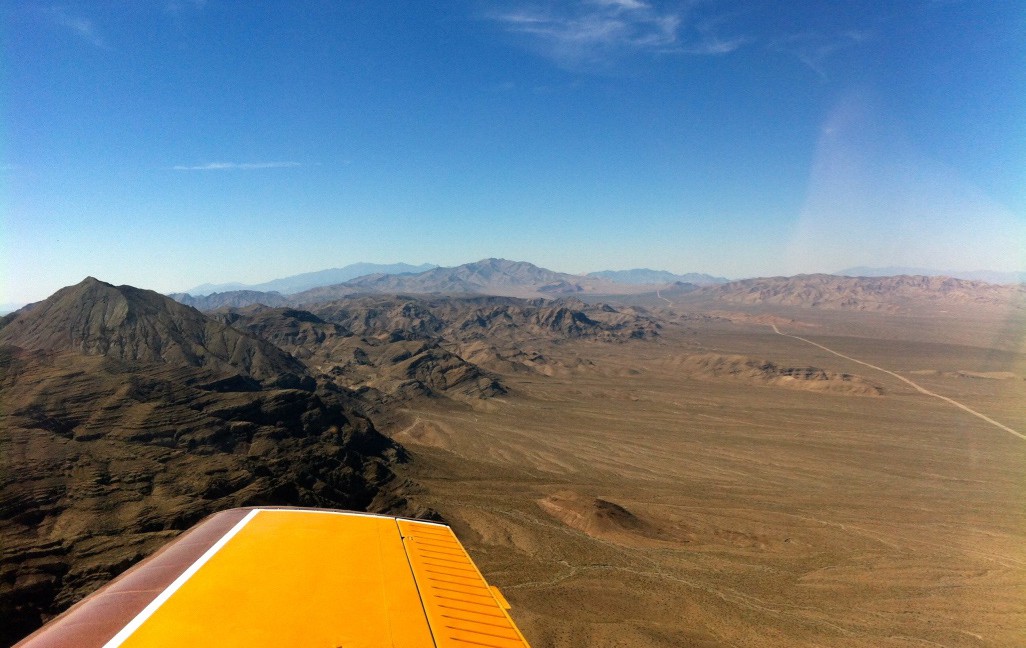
x: 631, y: 495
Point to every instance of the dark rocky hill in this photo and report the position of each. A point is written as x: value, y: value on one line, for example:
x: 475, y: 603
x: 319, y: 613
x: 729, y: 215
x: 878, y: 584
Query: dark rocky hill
x: 393, y: 348
x: 500, y: 319
x: 487, y: 333
x: 394, y: 358
x: 125, y: 417
x: 126, y: 323
x: 294, y: 331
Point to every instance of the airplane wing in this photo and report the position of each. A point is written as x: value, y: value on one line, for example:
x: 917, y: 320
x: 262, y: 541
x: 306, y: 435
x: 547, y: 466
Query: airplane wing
x: 295, y: 577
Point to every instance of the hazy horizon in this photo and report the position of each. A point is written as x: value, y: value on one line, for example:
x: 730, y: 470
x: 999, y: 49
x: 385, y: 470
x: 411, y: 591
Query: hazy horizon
x: 171, y: 144
x: 977, y: 274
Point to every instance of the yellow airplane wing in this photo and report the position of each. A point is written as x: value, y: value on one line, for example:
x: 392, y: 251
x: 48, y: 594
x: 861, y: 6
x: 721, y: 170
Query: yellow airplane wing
x: 295, y: 577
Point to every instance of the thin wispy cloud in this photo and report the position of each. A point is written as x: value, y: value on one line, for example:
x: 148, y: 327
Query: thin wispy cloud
x: 235, y: 166
x: 178, y: 9
x: 597, y: 32
x: 78, y: 25
x: 712, y: 46
x: 705, y: 38
x: 815, y: 50
x: 175, y: 6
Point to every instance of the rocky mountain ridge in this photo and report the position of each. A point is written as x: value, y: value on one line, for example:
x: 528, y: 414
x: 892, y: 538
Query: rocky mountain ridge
x: 488, y: 276
x: 134, y: 325
x: 125, y: 417
x: 391, y: 348
x: 988, y: 276
x: 887, y: 294
x: 498, y: 277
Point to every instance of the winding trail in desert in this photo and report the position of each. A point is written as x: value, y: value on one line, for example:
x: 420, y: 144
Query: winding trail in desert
x: 906, y: 380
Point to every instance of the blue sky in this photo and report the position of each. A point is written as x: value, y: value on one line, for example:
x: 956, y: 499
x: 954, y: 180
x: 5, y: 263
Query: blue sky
x: 170, y: 143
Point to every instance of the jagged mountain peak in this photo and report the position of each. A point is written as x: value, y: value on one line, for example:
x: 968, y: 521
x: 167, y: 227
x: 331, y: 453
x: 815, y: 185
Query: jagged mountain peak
x: 94, y: 317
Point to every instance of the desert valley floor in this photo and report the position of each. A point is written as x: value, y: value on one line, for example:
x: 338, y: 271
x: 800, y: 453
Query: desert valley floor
x: 635, y: 497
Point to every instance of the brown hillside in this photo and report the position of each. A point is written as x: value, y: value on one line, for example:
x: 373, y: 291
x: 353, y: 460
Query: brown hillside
x: 396, y: 358
x: 125, y: 417
x: 126, y: 323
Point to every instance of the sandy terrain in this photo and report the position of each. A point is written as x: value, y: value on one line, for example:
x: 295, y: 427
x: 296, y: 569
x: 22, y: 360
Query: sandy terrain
x: 642, y: 499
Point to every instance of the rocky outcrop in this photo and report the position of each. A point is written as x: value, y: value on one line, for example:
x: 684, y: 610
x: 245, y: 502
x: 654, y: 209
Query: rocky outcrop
x: 716, y: 365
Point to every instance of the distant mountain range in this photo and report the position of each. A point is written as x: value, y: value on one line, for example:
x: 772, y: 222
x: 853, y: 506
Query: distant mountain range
x: 502, y: 277
x: 494, y: 277
x: 990, y: 276
x: 307, y: 280
x: 486, y: 277
x: 646, y: 276
x: 885, y: 294
x: 232, y: 299
x: 491, y: 276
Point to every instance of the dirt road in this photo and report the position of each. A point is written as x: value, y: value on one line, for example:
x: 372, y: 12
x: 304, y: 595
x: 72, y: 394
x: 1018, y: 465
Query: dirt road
x: 917, y: 387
